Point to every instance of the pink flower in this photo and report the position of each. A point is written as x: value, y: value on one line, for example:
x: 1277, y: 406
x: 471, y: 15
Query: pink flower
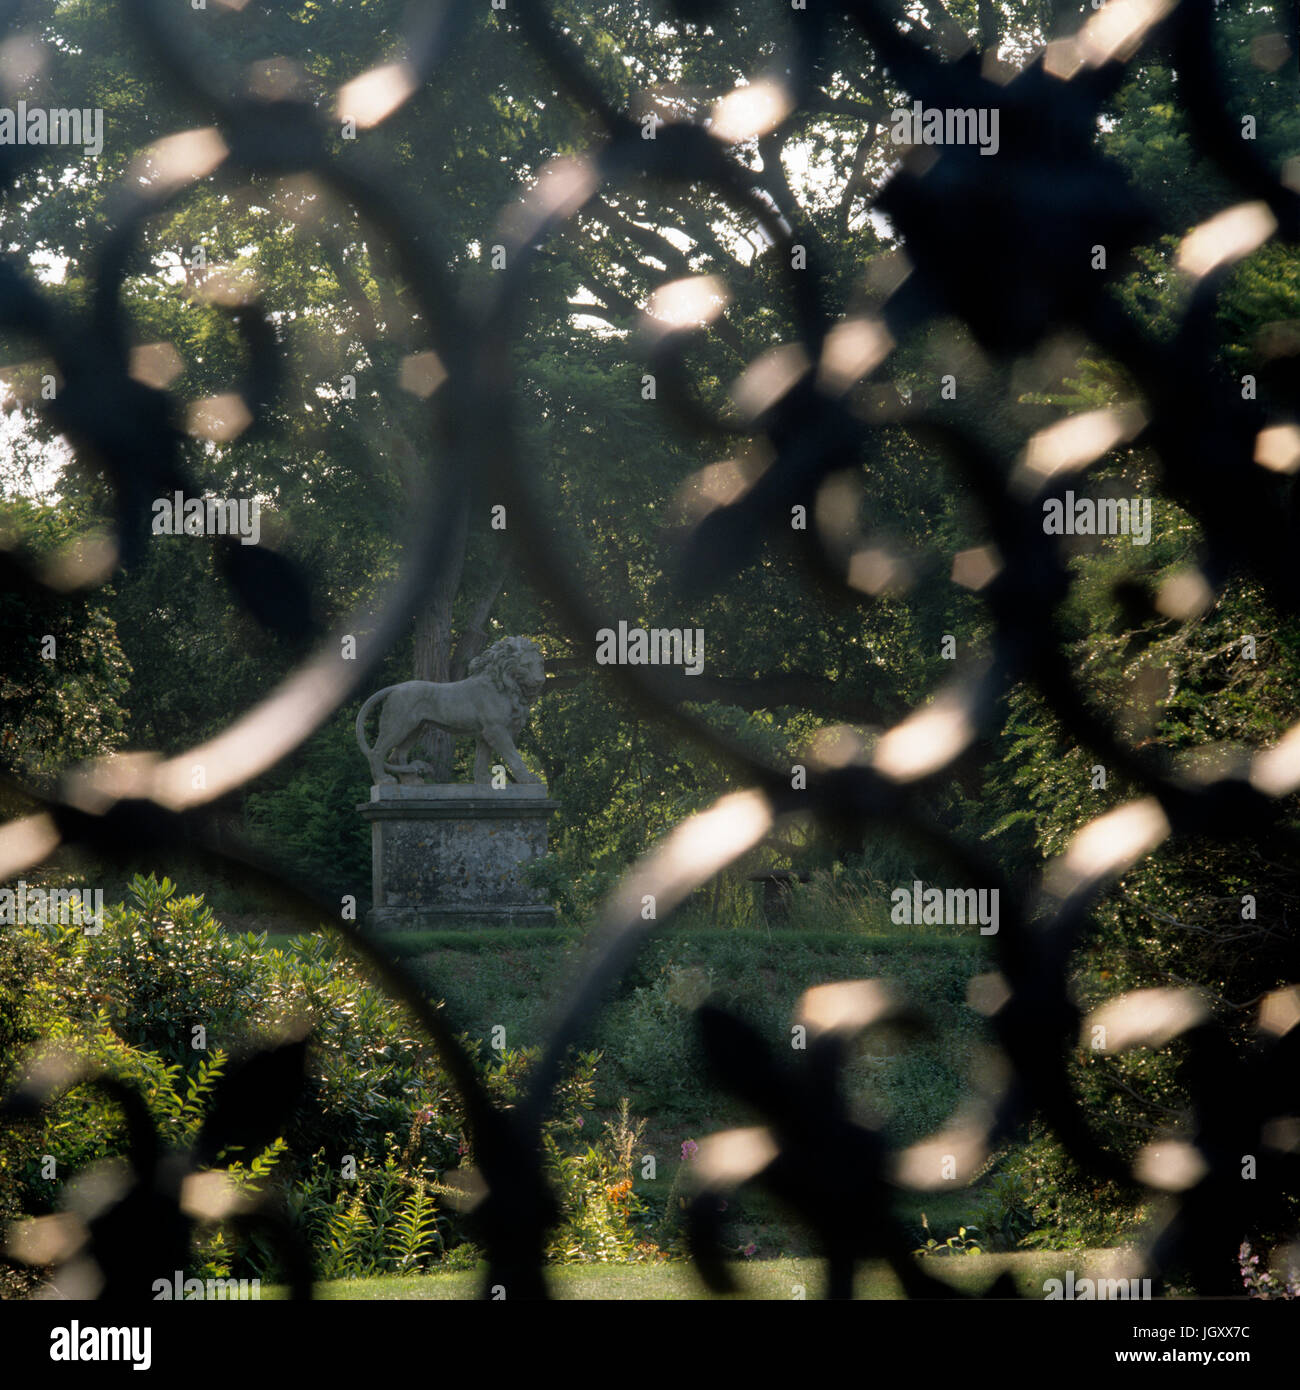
x: 750, y: 1250
x: 581, y: 1121
x: 689, y: 1149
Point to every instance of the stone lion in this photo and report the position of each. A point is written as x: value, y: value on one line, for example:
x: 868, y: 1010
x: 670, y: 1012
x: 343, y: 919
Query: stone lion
x: 491, y: 704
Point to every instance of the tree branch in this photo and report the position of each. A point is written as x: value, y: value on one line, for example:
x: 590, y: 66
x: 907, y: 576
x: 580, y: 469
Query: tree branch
x: 857, y: 178
x: 797, y: 689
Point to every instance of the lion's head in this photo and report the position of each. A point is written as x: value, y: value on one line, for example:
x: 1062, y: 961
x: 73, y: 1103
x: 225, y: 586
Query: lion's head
x: 515, y: 666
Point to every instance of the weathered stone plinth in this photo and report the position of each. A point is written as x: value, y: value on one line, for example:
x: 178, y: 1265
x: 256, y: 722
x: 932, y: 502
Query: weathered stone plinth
x: 452, y: 855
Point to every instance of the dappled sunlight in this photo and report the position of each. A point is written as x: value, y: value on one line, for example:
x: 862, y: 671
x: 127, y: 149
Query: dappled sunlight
x: 761, y: 719
x: 1108, y: 845
x: 175, y: 160
x: 375, y: 95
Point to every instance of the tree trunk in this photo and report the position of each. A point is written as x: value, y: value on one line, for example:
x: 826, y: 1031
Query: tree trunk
x: 1061, y: 18
x: 988, y: 27
x: 433, y: 639
x: 435, y: 657
x: 474, y: 638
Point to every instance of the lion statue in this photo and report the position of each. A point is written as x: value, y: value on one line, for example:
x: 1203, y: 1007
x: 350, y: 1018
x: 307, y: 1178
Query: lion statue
x: 491, y: 704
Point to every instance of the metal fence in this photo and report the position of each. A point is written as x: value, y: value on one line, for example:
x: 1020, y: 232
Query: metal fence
x: 1030, y: 219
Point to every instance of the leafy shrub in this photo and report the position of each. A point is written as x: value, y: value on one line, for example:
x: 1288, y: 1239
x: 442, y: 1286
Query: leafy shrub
x: 378, y: 1097
x: 603, y: 1217
x: 910, y: 1086
x: 84, y: 1129
x: 965, y: 1242
x: 575, y: 894
x: 1069, y: 1206
x: 657, y: 1043
x: 378, y: 1106
x: 296, y: 808
x: 384, y: 1220
x: 1003, y: 1213
x: 158, y: 969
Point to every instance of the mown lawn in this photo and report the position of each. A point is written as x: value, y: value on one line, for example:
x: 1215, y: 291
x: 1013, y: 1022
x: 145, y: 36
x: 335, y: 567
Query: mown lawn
x: 764, y: 1279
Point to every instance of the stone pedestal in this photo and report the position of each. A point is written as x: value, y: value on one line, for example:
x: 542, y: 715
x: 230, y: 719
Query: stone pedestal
x: 452, y: 855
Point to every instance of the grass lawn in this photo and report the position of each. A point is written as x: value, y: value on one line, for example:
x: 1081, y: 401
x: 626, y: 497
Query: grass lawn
x: 766, y: 1279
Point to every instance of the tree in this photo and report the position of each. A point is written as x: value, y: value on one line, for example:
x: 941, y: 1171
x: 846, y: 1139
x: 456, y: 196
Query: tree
x: 64, y: 673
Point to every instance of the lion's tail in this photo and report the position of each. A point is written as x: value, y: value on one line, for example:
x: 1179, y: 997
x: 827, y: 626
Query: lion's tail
x: 366, y: 749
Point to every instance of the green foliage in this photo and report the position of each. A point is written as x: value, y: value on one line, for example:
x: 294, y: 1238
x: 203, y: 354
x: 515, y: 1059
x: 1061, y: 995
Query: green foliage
x: 64, y: 679
x: 911, y: 1086
x: 575, y: 896
x: 84, y: 1127
x: 965, y: 1242
x: 160, y: 968
x: 658, y: 1042
x: 603, y: 1217
x: 383, y: 1220
x: 415, y: 1231
x: 1220, y: 915
x: 303, y: 811
x: 377, y: 1093
x: 1173, y: 686
x: 1182, y: 688
x: 854, y: 897
x: 77, y: 996
x: 1003, y: 1214
x: 1068, y: 1206
x: 123, y: 999
x: 669, y: 1225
